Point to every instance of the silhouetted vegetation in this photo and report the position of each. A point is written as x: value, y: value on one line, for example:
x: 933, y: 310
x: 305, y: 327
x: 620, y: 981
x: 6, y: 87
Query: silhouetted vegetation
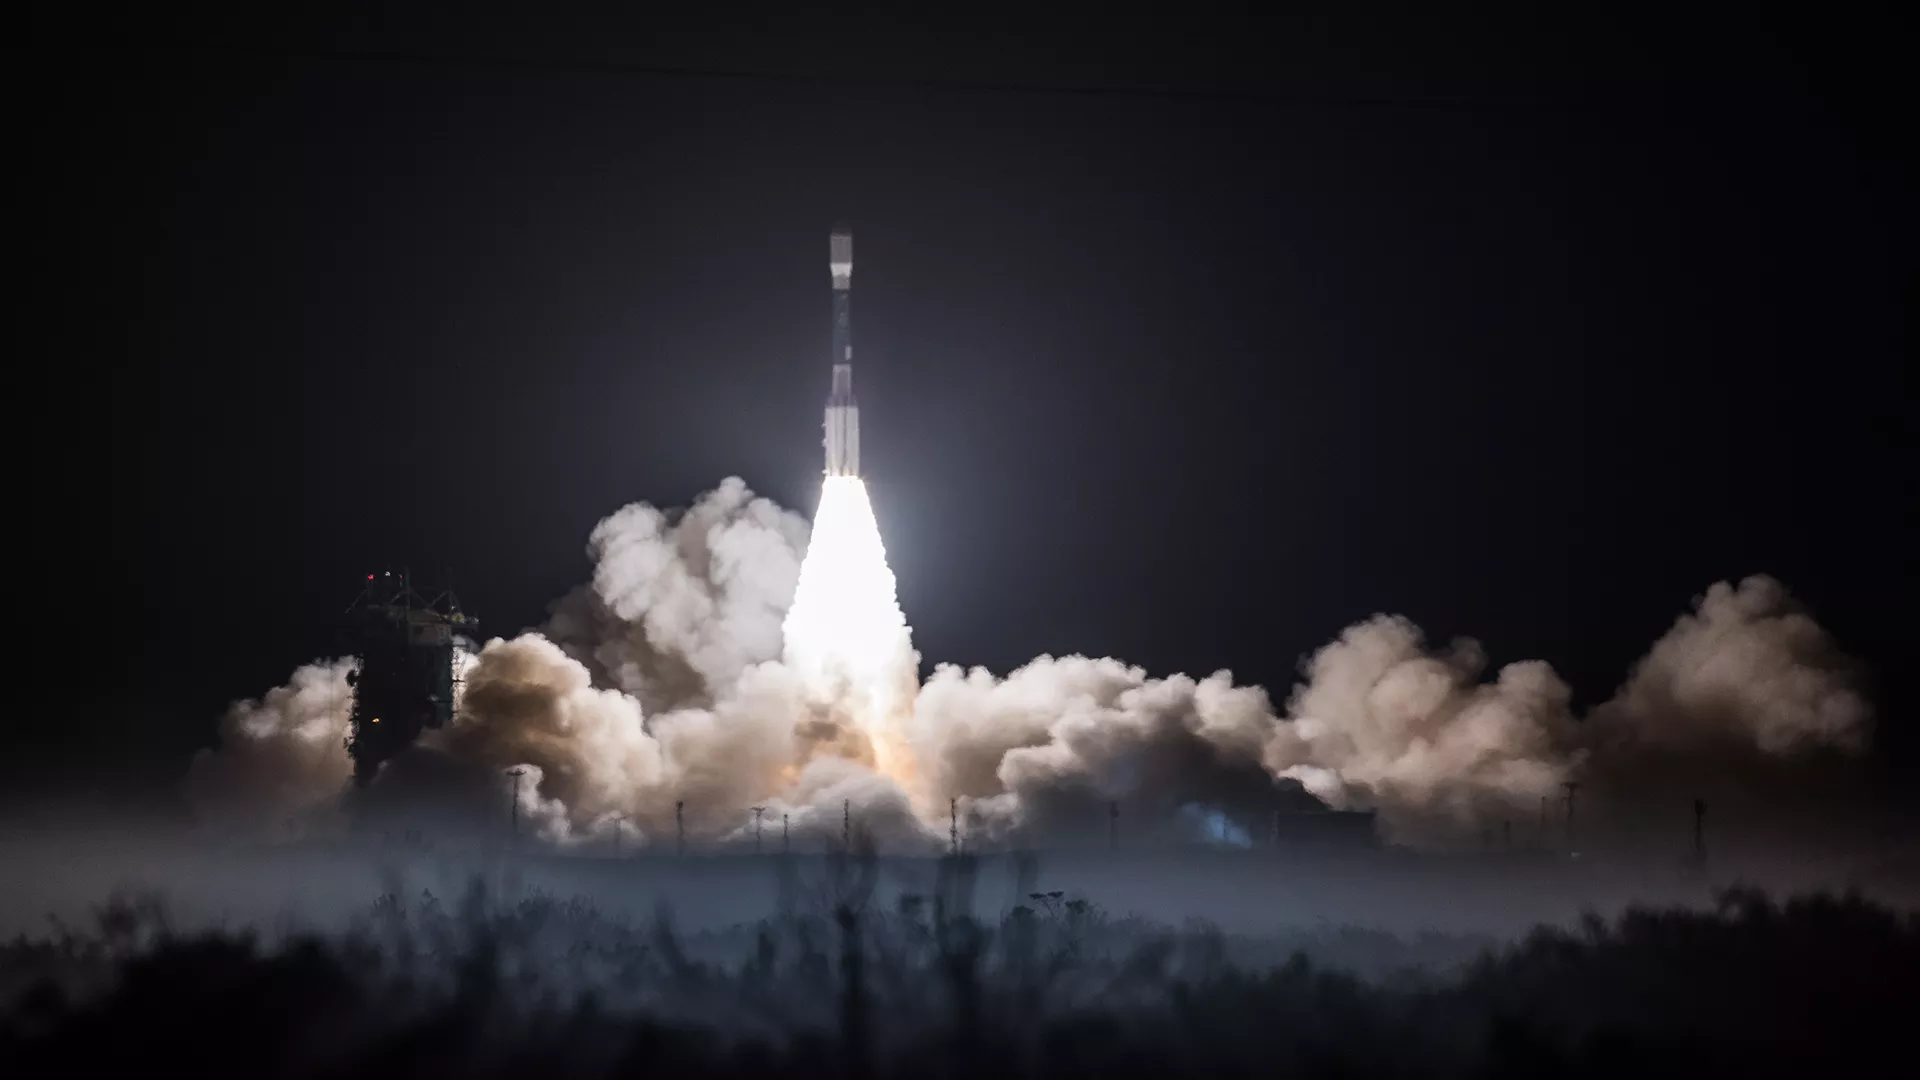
x: 831, y: 985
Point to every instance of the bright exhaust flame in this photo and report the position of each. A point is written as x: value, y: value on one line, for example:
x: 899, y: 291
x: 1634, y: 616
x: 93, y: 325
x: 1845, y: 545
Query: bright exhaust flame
x: 845, y: 634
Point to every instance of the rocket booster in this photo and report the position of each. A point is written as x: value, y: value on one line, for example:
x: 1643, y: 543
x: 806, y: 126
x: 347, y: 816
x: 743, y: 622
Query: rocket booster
x: 843, y: 414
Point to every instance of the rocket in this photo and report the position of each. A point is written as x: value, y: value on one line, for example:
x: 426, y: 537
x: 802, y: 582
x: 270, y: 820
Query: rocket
x: 843, y: 414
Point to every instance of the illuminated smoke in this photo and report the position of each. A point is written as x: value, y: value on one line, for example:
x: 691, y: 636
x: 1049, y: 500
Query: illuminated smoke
x: 1047, y: 748
x: 662, y: 683
x: 682, y: 602
x: 1385, y: 722
x: 724, y: 658
x: 282, y: 759
x: 541, y: 712
x: 1748, y: 666
x: 596, y: 763
x: 1747, y: 703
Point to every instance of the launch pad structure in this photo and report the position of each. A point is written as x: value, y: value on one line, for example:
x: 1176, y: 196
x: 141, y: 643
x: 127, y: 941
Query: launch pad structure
x: 405, y: 682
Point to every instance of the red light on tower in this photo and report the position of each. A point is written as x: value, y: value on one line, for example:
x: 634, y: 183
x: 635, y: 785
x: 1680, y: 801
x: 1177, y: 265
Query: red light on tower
x: 369, y: 577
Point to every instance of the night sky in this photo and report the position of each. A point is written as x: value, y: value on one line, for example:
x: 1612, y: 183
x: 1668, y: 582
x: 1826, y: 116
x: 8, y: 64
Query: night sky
x: 1187, y: 345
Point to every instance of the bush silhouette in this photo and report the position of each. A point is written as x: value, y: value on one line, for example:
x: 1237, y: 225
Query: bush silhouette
x: 491, y: 984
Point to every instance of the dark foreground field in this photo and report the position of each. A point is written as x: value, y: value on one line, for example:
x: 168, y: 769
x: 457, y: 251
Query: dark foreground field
x: 838, y: 982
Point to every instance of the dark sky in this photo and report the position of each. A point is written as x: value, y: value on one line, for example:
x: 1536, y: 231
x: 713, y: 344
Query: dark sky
x: 1188, y: 344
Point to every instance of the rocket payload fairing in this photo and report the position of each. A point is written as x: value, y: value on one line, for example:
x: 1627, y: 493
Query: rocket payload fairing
x: 843, y: 414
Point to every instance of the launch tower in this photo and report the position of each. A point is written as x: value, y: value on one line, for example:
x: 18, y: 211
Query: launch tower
x: 405, y: 683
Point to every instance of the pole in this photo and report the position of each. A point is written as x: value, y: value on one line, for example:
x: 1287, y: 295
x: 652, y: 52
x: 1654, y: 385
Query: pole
x: 953, y: 826
x: 680, y: 826
x: 1543, y: 823
x: 757, y: 811
x: 516, y: 772
x: 1572, y: 786
x: 846, y: 825
x: 786, y: 837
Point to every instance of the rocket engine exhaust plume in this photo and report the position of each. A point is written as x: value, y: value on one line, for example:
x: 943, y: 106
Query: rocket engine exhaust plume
x: 846, y: 638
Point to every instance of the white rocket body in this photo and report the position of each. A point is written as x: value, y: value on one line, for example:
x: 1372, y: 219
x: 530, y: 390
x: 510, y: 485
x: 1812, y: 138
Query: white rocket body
x: 842, y: 439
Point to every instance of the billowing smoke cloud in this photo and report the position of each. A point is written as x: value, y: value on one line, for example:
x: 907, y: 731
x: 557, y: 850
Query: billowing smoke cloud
x: 1053, y: 745
x: 1747, y: 704
x: 682, y: 603
x: 598, y: 763
x: 1385, y: 722
x: 1748, y: 666
x: 664, y: 682
x: 283, y: 758
x: 585, y: 746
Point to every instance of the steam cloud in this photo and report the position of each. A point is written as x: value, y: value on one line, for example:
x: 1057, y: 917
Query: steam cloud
x: 682, y: 603
x: 1384, y: 721
x: 1748, y: 666
x: 283, y: 758
x: 663, y: 682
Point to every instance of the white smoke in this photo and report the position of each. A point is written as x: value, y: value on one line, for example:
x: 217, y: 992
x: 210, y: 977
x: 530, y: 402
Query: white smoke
x: 594, y: 759
x: 1748, y: 666
x: 662, y: 687
x: 1383, y: 722
x: 831, y: 796
x: 526, y: 704
x: 1052, y: 745
x: 282, y: 759
x: 682, y: 602
x: 1747, y: 704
